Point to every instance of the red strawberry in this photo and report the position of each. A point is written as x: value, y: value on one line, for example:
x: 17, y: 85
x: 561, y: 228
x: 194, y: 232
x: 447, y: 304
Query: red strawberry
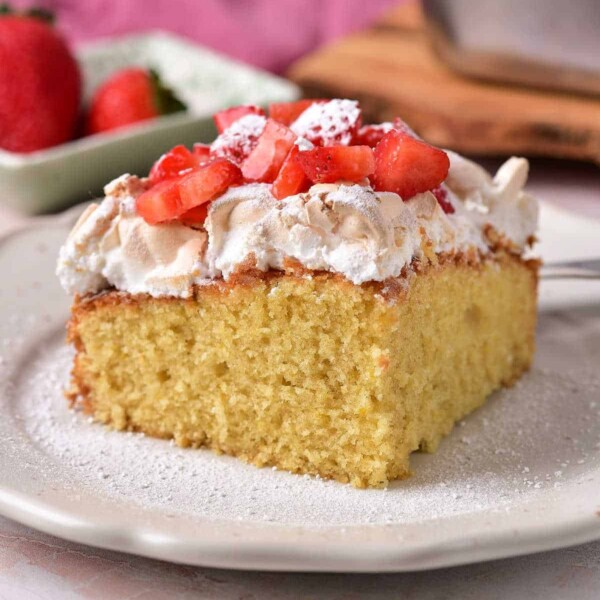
x: 442, y: 197
x: 130, y: 96
x: 39, y: 85
x: 201, y: 152
x: 238, y: 140
x: 291, y: 179
x: 336, y: 163
x: 370, y: 135
x: 333, y: 123
x: 266, y: 158
x: 225, y: 118
x: 408, y: 166
x: 288, y: 112
x: 208, y: 182
x: 172, y: 164
x: 160, y: 203
x: 172, y: 198
x: 196, y: 215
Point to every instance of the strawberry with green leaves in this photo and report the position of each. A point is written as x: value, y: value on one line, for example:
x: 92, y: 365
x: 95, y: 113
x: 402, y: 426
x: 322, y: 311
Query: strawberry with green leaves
x: 130, y: 96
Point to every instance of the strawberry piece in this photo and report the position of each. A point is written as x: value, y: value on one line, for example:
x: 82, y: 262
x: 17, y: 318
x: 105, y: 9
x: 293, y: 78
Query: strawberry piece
x: 441, y: 196
x: 225, y: 118
x: 370, y: 135
x: 201, y: 150
x: 160, y: 203
x: 196, y: 215
x: 206, y: 183
x: 288, y: 112
x: 238, y: 140
x: 201, y: 153
x: 291, y: 179
x: 408, y: 166
x: 170, y: 199
x: 333, y: 123
x: 336, y: 163
x: 265, y: 160
x: 172, y: 164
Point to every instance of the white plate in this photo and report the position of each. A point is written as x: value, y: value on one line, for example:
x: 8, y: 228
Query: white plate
x: 204, y: 80
x: 520, y: 475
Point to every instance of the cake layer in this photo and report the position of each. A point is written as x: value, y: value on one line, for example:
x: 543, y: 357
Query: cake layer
x: 310, y: 374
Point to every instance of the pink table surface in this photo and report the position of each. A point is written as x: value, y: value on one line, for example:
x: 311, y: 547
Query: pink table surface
x: 37, y: 566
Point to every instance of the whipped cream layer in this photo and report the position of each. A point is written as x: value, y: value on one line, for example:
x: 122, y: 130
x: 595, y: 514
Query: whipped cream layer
x: 341, y: 228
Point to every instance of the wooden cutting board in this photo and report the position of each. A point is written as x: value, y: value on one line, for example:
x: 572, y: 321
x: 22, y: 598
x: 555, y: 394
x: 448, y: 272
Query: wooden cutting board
x: 392, y: 70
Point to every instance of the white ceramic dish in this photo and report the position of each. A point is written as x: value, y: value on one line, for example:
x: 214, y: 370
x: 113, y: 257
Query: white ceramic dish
x: 205, y: 81
x: 520, y: 475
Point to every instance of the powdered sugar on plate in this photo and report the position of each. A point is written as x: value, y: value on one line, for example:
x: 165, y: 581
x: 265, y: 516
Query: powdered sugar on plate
x: 537, y: 437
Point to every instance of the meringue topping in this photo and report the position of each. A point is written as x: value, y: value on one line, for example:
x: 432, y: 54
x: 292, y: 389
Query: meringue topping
x: 342, y: 228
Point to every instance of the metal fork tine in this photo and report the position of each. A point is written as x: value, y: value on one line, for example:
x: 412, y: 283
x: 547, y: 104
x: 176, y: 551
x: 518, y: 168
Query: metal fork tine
x: 578, y: 269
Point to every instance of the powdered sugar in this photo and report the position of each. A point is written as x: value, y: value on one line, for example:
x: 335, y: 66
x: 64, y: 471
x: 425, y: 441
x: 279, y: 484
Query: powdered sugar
x: 536, y: 438
x: 238, y: 140
x: 303, y: 144
x: 329, y: 123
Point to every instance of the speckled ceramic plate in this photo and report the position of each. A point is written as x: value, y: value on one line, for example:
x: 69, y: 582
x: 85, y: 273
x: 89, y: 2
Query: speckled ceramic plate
x: 204, y: 80
x: 520, y: 475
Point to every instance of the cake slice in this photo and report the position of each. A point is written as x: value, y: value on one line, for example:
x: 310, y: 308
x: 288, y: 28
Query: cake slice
x: 304, y: 293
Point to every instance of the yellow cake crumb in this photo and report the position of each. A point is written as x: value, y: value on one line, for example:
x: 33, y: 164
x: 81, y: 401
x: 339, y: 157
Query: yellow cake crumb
x: 311, y: 375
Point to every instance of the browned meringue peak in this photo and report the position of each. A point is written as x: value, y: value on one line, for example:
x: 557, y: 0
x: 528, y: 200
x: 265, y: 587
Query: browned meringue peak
x: 111, y: 246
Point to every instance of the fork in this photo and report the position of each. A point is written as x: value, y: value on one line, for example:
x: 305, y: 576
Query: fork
x: 577, y: 269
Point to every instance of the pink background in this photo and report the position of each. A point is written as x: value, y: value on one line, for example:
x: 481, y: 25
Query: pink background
x: 267, y: 33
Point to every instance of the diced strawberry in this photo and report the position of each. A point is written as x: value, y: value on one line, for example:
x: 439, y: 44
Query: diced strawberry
x: 206, y: 183
x: 370, y: 135
x: 225, y: 118
x: 336, y: 163
x: 404, y: 127
x: 291, y: 179
x: 333, y: 123
x: 160, y: 203
x: 202, y: 153
x: 168, y: 200
x: 196, y: 215
x: 237, y: 141
x: 267, y: 157
x: 442, y: 197
x: 171, y: 164
x: 288, y: 112
x: 408, y: 166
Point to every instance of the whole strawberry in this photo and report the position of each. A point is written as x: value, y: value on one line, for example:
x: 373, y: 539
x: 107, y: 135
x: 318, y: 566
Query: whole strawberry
x: 39, y: 84
x: 129, y: 96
